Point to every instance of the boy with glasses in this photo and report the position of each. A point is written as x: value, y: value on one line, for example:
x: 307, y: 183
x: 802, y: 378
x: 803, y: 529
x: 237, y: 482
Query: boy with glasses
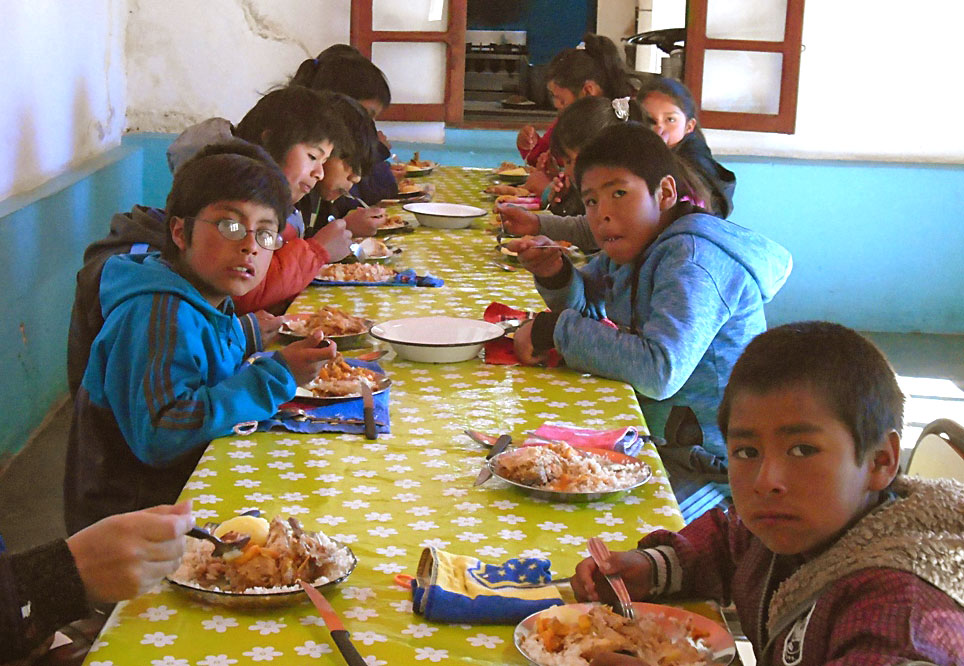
x: 167, y: 372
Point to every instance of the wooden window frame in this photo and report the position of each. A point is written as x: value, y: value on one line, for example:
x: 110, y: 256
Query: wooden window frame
x: 451, y: 109
x: 697, y: 44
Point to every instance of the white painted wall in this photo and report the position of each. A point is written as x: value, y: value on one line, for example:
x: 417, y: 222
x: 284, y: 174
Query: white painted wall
x: 190, y: 60
x: 63, y: 101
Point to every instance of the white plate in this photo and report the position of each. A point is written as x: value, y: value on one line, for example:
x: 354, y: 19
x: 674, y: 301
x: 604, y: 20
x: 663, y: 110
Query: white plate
x: 436, y: 339
x: 444, y: 215
x: 718, y: 639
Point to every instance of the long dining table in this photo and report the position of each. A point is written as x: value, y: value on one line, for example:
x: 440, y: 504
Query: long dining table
x: 392, y: 497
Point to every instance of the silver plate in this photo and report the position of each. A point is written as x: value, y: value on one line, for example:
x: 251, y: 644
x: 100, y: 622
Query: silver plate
x: 561, y: 496
x: 305, y: 395
x: 348, y: 341
x: 282, y: 597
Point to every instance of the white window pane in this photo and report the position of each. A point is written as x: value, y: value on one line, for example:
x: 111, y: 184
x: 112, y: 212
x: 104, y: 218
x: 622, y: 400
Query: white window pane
x: 415, y: 70
x: 411, y: 15
x: 742, y: 81
x: 746, y: 19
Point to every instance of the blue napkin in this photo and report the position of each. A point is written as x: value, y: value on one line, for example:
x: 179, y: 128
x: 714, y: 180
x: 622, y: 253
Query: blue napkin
x: 406, y: 278
x: 459, y: 589
x: 351, y: 408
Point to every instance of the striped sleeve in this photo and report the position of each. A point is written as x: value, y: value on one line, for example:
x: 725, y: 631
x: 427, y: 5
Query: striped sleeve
x: 165, y: 410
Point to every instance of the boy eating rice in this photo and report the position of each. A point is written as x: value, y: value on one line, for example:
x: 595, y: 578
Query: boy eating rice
x: 829, y: 556
x: 166, y: 372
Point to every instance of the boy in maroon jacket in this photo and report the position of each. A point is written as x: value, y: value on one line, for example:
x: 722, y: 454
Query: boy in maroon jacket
x: 830, y: 556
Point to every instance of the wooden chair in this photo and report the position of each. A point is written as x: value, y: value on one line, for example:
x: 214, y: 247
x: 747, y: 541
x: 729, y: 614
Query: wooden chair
x: 939, y: 451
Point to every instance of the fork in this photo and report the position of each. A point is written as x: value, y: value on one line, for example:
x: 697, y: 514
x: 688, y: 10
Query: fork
x: 600, y: 553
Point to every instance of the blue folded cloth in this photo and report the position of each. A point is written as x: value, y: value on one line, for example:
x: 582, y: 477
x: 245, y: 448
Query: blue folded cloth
x: 406, y: 278
x: 347, y: 408
x: 459, y: 589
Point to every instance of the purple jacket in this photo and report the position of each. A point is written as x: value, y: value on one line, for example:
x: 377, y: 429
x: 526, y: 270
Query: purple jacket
x: 889, y: 591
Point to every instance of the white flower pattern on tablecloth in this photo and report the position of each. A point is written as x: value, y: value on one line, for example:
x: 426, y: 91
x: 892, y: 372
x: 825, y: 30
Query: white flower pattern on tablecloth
x: 431, y: 654
x: 265, y: 627
x: 262, y: 653
x: 217, y: 660
x: 419, y: 630
x: 484, y: 640
x: 158, y: 639
x: 219, y: 623
x: 361, y: 613
x: 168, y: 660
x: 368, y: 637
x: 158, y: 614
x: 312, y: 649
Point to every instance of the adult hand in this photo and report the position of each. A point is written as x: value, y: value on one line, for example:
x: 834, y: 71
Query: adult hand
x: 527, y: 139
x: 535, y: 257
x: 518, y: 221
x: 615, y: 659
x: 522, y: 345
x: 269, y: 325
x: 335, y: 238
x: 125, y: 555
x: 305, y: 358
x: 590, y: 584
x: 364, y: 221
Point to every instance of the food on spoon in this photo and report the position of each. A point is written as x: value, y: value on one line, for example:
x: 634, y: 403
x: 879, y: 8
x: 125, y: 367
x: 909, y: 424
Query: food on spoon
x: 288, y: 553
x: 356, y: 273
x: 566, y: 636
x: 337, y: 379
x: 560, y: 467
x: 330, y: 320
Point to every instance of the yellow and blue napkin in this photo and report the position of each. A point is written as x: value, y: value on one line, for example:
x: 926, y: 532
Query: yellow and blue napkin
x: 459, y: 589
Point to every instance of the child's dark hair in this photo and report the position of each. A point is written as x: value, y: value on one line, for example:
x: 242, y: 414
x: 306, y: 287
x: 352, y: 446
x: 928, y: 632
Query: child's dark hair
x: 675, y: 90
x: 341, y: 68
x: 639, y: 150
x: 230, y: 171
x: 292, y: 115
x: 842, y: 368
x: 361, y: 150
x: 600, y: 61
x: 582, y: 120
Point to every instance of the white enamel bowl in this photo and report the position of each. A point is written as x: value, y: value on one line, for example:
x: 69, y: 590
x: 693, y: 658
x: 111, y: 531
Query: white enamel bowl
x: 436, y: 339
x: 444, y: 215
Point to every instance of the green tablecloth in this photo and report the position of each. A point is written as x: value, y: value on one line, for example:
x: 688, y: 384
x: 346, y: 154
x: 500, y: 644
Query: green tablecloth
x: 392, y: 497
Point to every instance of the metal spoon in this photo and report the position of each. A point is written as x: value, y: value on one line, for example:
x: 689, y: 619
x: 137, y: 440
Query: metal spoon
x: 372, y: 355
x: 505, y: 267
x: 226, y: 550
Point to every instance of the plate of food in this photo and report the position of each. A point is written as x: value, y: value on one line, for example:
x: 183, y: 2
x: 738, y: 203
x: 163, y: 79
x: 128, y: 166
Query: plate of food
x: 266, y: 572
x: 507, y: 172
x: 419, y: 167
x: 375, y: 251
x: 518, y: 102
x: 338, y: 380
x: 358, y: 272
x: 502, y: 189
x: 573, y: 634
x: 408, y: 189
x: 558, y: 472
x: 346, y: 330
x: 395, y: 224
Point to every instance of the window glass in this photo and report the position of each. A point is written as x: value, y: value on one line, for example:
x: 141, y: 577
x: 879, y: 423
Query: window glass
x: 742, y: 81
x: 416, y: 70
x: 410, y: 15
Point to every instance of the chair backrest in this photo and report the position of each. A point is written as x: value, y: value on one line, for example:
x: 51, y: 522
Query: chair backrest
x: 939, y: 452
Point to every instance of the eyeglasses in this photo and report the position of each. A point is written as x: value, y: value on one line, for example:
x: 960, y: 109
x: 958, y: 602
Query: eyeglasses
x: 235, y: 231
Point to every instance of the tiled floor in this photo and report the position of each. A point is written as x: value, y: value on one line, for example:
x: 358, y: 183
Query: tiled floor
x: 931, y: 370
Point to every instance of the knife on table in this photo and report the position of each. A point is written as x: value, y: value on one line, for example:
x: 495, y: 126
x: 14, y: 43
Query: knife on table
x: 338, y: 632
x: 500, y: 445
x: 368, y: 403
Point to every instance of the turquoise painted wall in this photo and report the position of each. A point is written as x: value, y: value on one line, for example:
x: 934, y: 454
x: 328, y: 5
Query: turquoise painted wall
x: 45, y: 232
x: 875, y: 246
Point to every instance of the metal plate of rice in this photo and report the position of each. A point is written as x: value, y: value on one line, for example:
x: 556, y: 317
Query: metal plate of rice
x: 260, y: 597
